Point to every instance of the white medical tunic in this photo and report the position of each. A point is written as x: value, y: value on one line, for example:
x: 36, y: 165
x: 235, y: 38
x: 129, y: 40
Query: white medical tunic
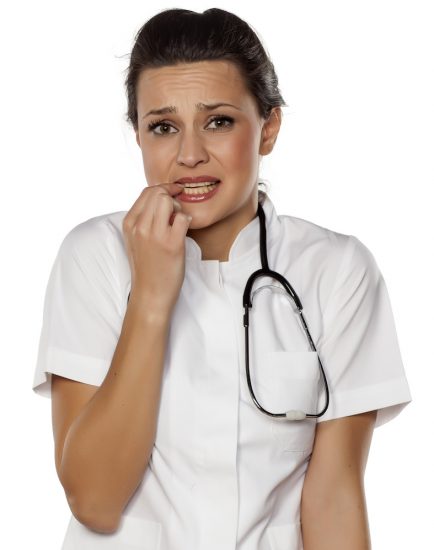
x: 222, y: 474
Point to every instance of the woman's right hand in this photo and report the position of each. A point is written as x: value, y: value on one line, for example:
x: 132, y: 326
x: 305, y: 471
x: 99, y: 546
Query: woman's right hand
x: 156, y: 246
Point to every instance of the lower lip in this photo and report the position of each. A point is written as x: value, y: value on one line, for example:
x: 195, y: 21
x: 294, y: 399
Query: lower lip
x: 199, y: 197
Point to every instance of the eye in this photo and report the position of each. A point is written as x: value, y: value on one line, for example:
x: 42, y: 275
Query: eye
x: 222, y: 118
x: 155, y: 124
x: 217, y: 118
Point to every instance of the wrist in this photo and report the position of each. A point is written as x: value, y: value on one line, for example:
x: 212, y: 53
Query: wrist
x: 149, y: 309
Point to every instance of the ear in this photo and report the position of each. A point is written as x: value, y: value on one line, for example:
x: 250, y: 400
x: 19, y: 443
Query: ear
x: 270, y: 130
x: 137, y: 137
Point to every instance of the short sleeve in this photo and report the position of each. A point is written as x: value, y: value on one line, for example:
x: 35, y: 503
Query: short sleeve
x: 359, y: 349
x: 82, y: 315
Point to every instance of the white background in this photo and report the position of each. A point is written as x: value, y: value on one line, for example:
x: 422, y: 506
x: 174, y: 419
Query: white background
x: 355, y: 154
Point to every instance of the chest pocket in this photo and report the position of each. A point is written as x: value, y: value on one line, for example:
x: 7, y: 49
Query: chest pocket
x: 288, y: 380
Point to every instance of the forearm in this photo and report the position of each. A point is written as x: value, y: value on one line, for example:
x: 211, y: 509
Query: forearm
x: 338, y: 521
x: 109, y: 444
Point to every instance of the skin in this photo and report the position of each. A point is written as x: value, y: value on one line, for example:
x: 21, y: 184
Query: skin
x: 189, y: 143
x: 333, y: 508
x: 333, y: 512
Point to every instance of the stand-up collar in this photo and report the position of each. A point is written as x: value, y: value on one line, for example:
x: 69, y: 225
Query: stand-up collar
x: 247, y: 240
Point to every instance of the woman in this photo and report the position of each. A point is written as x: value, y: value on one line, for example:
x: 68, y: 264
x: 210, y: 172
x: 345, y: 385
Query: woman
x: 159, y: 443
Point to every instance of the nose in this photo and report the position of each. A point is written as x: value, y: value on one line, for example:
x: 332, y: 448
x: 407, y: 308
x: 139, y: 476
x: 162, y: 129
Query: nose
x: 191, y: 150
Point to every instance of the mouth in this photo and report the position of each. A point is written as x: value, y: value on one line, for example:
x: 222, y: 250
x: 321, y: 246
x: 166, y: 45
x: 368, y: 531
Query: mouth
x: 197, y: 192
x: 189, y: 180
x: 201, y: 184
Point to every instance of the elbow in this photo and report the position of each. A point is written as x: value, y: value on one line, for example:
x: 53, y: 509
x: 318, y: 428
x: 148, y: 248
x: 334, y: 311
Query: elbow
x: 99, y: 524
x: 93, y: 516
x: 89, y: 511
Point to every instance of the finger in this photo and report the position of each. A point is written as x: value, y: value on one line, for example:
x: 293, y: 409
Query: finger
x: 142, y: 213
x: 146, y: 197
x: 176, y: 208
x: 179, y: 228
x: 165, y: 208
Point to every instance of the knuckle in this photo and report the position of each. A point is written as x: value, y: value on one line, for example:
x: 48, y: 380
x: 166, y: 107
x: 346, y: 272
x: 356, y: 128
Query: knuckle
x: 126, y: 224
x: 164, y: 243
x: 141, y: 231
x: 164, y: 195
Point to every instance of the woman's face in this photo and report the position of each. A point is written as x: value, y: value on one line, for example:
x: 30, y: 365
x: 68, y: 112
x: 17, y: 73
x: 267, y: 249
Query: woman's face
x: 225, y: 142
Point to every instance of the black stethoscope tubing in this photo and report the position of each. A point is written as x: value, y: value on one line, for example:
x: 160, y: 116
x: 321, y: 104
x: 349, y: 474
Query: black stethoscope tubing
x: 266, y: 272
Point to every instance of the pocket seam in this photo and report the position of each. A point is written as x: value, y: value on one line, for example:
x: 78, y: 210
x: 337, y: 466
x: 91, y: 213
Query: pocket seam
x: 287, y: 442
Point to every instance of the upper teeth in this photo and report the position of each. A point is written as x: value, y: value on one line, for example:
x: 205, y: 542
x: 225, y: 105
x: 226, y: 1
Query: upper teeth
x: 201, y: 184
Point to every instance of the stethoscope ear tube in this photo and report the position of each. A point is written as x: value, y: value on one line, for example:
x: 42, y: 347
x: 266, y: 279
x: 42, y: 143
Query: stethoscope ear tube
x: 273, y: 274
x: 247, y: 303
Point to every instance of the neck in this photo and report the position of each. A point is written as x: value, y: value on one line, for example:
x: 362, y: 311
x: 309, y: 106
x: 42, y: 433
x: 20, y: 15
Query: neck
x: 215, y: 240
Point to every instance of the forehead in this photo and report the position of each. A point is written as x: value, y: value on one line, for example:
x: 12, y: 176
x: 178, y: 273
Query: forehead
x: 208, y: 79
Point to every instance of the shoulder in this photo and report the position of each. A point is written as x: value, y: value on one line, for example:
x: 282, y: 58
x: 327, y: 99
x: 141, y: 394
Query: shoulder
x: 326, y: 245
x: 100, y: 234
x: 324, y: 261
x: 96, y: 247
x: 306, y: 233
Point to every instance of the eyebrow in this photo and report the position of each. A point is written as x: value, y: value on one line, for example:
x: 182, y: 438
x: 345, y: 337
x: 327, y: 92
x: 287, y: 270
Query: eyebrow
x: 199, y: 107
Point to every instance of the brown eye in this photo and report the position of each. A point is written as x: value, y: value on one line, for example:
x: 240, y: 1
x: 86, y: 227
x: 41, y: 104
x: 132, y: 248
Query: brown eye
x: 225, y: 119
x: 158, y: 123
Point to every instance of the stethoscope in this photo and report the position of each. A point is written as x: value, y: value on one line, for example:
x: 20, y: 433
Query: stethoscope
x: 247, y: 303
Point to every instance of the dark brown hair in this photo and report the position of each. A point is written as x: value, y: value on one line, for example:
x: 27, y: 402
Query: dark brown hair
x: 183, y: 36
x: 177, y: 35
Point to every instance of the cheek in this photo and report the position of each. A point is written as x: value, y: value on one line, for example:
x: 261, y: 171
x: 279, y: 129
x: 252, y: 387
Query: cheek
x: 242, y: 153
x: 155, y: 162
x: 239, y: 153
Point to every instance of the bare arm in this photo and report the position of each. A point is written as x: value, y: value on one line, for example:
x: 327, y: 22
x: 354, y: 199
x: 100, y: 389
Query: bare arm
x: 108, y: 445
x: 333, y: 507
x: 104, y: 436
